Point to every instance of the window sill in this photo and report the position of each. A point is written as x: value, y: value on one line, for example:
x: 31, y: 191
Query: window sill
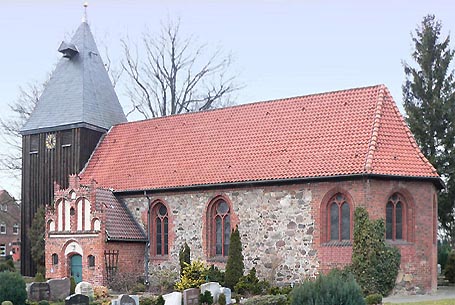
x: 217, y: 259
x: 159, y: 258
x: 400, y: 242
x: 337, y: 243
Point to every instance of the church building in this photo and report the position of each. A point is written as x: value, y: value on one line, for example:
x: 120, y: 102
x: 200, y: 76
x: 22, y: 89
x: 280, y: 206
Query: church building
x: 289, y: 173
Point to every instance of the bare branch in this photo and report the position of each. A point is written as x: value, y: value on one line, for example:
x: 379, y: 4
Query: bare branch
x: 176, y: 74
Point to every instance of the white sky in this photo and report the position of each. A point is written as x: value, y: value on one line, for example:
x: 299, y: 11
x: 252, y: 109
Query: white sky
x: 281, y: 48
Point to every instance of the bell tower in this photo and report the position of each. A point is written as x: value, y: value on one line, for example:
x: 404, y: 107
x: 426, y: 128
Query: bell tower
x: 76, y: 108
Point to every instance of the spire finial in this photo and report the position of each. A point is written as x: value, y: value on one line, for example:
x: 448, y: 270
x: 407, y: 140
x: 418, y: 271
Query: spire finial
x: 84, y: 18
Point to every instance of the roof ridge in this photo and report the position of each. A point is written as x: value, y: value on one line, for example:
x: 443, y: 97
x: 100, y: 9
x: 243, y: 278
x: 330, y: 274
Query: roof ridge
x: 255, y: 103
x: 375, y: 130
x: 412, y: 139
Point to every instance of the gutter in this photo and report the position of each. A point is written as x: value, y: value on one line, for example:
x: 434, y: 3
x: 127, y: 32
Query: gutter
x: 436, y: 180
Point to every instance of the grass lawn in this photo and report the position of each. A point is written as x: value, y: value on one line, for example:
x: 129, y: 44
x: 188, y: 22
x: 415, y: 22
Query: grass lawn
x: 439, y: 302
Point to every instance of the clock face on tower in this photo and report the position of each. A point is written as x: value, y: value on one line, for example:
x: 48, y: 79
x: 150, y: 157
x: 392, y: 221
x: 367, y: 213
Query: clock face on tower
x: 50, y: 141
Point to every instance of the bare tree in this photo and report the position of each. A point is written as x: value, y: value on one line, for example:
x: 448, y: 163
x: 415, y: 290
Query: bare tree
x: 20, y: 110
x: 175, y: 74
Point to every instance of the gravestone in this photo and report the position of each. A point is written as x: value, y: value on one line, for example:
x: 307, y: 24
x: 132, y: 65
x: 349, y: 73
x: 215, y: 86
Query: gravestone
x: 173, y: 298
x: 77, y: 299
x: 125, y: 299
x: 214, y: 289
x: 191, y: 296
x: 227, y: 293
x: 59, y: 289
x: 85, y: 289
x: 39, y: 291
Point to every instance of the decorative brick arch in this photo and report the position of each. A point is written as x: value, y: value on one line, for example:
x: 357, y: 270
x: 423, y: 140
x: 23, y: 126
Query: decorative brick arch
x: 408, y: 210
x: 325, y: 212
x: 227, y: 218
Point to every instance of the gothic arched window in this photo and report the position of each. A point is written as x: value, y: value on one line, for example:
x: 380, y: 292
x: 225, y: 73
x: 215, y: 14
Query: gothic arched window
x: 159, y: 229
x: 395, y: 217
x: 339, y: 218
x: 219, y: 230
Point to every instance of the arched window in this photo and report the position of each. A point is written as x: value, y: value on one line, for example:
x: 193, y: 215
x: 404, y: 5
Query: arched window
x: 159, y: 229
x: 54, y: 259
x: 395, y: 217
x: 219, y: 220
x: 339, y: 218
x: 91, y: 261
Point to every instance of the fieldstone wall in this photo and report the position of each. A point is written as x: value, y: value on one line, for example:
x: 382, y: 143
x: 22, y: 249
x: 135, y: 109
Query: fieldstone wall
x: 276, y: 227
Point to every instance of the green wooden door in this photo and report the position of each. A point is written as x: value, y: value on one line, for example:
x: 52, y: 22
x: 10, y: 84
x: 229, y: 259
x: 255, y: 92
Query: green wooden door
x: 76, y: 268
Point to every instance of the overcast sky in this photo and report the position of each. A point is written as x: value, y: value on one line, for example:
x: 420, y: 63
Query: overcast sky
x: 280, y: 48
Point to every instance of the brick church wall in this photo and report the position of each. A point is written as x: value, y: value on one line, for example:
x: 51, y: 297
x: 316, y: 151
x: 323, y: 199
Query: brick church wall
x: 282, y: 227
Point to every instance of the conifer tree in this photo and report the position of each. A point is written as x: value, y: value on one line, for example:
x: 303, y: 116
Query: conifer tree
x: 234, y: 265
x: 184, y: 257
x: 429, y: 101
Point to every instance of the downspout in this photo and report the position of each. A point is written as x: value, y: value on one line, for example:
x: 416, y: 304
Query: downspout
x: 147, y: 248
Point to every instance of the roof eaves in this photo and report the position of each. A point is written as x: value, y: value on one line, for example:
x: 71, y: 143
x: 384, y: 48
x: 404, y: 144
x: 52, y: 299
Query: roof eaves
x: 375, y: 130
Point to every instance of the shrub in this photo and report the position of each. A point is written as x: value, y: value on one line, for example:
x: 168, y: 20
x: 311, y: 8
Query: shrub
x: 375, y: 264
x: 234, y: 264
x: 194, y: 275
x: 443, y: 253
x: 250, y: 284
x: 12, y: 288
x: 147, y: 301
x: 43, y: 302
x: 8, y: 265
x: 449, y: 271
x: 160, y: 300
x: 123, y: 281
x: 206, y: 298
x: 373, y: 299
x: 215, y: 275
x: 163, y: 280
x: 222, y: 299
x: 100, y: 292
x: 267, y: 300
x: 285, y: 290
x: 335, y: 288
x: 39, y: 277
x: 184, y: 257
x: 72, y: 285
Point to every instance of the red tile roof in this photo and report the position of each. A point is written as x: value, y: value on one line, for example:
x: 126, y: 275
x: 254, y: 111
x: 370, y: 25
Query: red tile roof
x: 120, y: 224
x: 349, y: 132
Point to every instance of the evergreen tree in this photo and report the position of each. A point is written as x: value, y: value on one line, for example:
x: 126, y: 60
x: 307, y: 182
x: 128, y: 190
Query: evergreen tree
x: 184, y: 257
x: 234, y: 265
x: 429, y: 101
x: 36, y: 236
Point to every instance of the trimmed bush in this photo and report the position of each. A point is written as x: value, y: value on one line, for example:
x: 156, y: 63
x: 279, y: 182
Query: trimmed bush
x: 267, y: 300
x: 222, y: 299
x: 375, y: 264
x: 194, y: 275
x: 336, y: 288
x: 43, y: 302
x: 12, y: 288
x: 206, y: 298
x: 373, y: 299
x: 146, y: 300
x: 234, y: 264
x: 215, y: 275
x: 250, y: 284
